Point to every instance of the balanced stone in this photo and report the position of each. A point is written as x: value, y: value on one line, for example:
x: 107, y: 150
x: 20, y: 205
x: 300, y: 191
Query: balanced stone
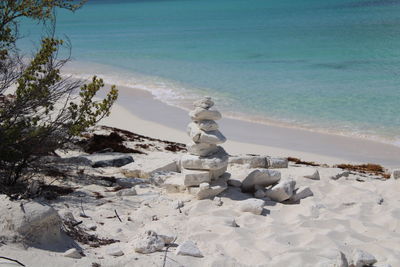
x: 205, y: 103
x: 216, y: 161
x: 207, y: 137
x: 204, y: 114
x: 199, y: 149
x: 195, y: 177
x: 207, y: 125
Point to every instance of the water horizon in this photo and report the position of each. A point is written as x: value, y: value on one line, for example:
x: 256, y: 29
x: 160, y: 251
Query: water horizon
x: 330, y: 67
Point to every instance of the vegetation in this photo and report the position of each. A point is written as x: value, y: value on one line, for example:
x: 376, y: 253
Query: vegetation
x: 40, y: 111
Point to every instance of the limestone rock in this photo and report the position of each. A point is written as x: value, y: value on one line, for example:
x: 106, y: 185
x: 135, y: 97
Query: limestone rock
x: 252, y: 205
x: 114, y: 250
x: 282, y: 191
x: 175, y: 184
x: 201, y: 149
x: 216, y: 173
x: 205, y: 102
x: 158, y: 162
x: 308, y: 172
x: 108, y: 159
x: 195, y: 177
x: 199, y: 114
x: 216, y: 161
x: 148, y: 243
x: 29, y: 222
x: 251, y: 161
x: 209, y: 191
x: 277, y: 163
x: 72, y: 253
x: 189, y: 248
x: 207, y: 125
x: 205, y: 137
x: 395, y: 174
x: 362, y: 258
x: 262, y: 177
x: 340, y: 175
x: 301, y: 193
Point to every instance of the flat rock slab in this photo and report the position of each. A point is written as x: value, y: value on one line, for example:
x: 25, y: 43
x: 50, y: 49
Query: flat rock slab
x: 216, y: 161
x: 250, y: 160
x: 199, y: 114
x: 189, y: 248
x: 195, y: 177
x: 277, y: 163
x: 175, y: 184
x: 202, y: 150
x: 261, y: 177
x: 108, y: 159
x: 146, y: 166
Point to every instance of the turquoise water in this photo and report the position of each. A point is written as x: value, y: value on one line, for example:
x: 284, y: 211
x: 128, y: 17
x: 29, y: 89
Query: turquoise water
x: 329, y: 65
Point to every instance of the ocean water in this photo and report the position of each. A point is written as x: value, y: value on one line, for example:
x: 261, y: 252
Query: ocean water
x: 329, y: 65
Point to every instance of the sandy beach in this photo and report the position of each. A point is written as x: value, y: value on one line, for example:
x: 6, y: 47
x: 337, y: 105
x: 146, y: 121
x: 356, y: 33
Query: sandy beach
x: 138, y: 111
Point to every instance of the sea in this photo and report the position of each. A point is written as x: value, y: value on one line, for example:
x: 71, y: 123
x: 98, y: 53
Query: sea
x: 330, y: 66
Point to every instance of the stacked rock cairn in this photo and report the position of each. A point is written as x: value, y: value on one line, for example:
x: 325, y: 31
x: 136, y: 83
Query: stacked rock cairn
x: 206, y: 161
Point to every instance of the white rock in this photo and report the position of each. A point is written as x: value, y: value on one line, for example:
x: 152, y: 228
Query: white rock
x: 307, y: 172
x: 201, y: 149
x: 277, y: 163
x: 205, y: 191
x: 72, y: 253
x: 199, y: 114
x: 145, y: 167
x: 148, y: 243
x: 114, y: 251
x: 189, y: 248
x: 207, y: 125
x: 251, y: 161
x: 301, y: 193
x: 259, y: 193
x: 261, y: 177
x: 206, y: 103
x: 175, y: 184
x: 29, y: 222
x: 195, y: 177
x: 395, y: 174
x: 340, y: 175
x: 362, y: 258
x: 127, y: 192
x: 215, y: 174
x: 210, y: 137
x: 282, y: 191
x: 218, y: 160
x: 252, y: 205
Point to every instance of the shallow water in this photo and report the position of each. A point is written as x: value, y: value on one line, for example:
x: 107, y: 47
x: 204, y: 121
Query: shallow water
x: 324, y: 65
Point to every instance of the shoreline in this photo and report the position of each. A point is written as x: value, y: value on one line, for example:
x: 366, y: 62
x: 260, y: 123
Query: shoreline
x: 137, y: 110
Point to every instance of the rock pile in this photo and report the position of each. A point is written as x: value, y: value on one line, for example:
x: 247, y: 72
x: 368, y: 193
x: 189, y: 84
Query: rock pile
x: 206, y: 161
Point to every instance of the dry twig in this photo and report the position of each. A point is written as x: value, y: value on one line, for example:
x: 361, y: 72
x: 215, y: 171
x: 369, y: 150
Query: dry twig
x: 9, y: 259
